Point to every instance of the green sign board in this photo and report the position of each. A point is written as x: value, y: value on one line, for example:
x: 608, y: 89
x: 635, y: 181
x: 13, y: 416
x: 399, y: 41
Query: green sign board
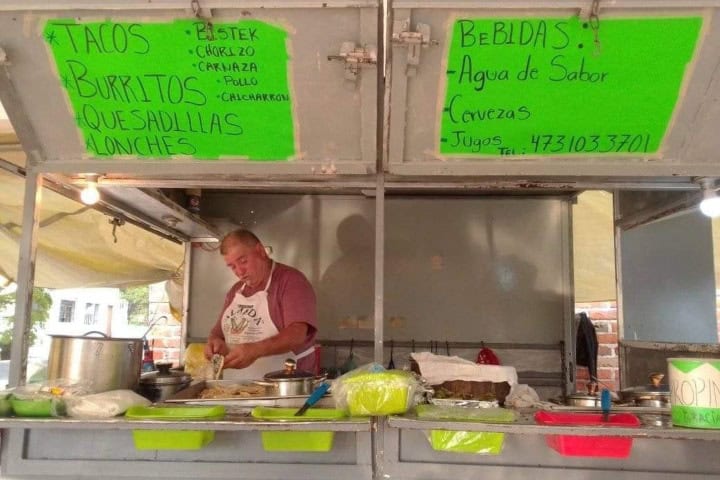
x: 558, y: 86
x: 179, y: 89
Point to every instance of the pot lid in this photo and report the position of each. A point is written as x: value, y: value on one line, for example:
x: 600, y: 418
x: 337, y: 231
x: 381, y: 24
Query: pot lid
x: 648, y: 391
x: 164, y: 376
x: 653, y: 389
x: 289, y: 373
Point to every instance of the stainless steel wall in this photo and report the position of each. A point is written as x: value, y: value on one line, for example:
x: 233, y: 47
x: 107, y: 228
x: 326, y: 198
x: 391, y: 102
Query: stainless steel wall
x: 456, y: 268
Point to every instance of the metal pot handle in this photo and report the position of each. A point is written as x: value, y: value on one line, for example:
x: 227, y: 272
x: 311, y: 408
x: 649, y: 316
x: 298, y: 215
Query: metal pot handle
x: 95, y: 331
x: 319, y: 379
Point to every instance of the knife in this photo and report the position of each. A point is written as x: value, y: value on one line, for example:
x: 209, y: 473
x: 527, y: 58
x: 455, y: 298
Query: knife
x: 313, y: 398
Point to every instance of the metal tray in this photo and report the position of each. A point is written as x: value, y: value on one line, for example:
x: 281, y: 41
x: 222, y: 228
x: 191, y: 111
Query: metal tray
x: 191, y: 394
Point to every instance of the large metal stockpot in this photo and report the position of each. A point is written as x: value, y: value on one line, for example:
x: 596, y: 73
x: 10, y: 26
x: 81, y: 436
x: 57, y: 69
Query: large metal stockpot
x: 104, y: 363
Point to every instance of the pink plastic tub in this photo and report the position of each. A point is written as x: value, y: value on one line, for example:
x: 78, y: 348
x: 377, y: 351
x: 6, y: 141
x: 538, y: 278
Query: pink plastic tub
x: 586, y: 446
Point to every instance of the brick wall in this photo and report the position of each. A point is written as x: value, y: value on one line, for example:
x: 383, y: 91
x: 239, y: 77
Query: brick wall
x: 165, y: 336
x: 166, y: 343
x: 603, y: 316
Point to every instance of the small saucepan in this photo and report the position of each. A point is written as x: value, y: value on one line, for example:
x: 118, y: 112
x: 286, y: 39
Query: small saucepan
x: 583, y: 400
x: 290, y: 382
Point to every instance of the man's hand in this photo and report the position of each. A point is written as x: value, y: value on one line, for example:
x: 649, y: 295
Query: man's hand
x: 215, y: 345
x: 242, y: 356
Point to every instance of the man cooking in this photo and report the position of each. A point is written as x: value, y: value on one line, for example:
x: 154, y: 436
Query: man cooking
x: 269, y: 315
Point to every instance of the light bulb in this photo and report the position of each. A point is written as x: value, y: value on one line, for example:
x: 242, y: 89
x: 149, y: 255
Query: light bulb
x: 710, y: 206
x: 90, y: 194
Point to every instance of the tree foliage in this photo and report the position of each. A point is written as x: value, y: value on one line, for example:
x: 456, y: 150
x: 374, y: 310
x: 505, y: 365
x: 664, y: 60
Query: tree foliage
x: 41, y: 303
x: 138, y: 303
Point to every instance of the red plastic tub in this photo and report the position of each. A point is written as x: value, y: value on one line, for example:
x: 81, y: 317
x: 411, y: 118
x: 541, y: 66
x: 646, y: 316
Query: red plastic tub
x: 585, y: 446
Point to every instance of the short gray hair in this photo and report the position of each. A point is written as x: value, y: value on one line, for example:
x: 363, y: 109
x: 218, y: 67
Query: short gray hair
x: 240, y: 235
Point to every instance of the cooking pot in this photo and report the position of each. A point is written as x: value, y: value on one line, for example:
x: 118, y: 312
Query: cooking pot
x: 104, y: 363
x: 654, y: 394
x: 290, y: 381
x: 161, y: 385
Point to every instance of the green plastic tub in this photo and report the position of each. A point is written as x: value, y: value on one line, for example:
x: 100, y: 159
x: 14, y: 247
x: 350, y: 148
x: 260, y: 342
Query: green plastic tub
x: 461, y: 441
x: 378, y: 393
x: 173, y: 439
x: 5, y: 406
x: 297, y: 441
x: 37, y: 405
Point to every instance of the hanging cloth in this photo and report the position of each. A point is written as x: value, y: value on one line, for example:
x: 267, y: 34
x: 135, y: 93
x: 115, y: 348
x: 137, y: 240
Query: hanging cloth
x: 586, y: 345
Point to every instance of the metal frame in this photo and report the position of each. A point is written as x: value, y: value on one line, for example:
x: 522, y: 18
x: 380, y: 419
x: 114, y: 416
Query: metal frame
x: 153, y: 465
x: 382, y: 449
x: 26, y: 277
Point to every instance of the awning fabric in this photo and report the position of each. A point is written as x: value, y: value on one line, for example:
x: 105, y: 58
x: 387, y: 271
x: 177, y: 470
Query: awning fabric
x: 593, y: 247
x: 76, y: 248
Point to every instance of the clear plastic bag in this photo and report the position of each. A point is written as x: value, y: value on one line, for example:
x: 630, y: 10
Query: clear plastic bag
x: 105, y: 404
x: 371, y: 390
x: 196, y: 365
x: 522, y: 396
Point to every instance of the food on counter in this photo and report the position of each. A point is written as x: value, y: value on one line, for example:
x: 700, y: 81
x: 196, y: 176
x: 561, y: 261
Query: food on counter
x: 465, y: 390
x: 218, y: 362
x: 233, y: 391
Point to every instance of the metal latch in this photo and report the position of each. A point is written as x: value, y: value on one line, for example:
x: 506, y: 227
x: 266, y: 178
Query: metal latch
x: 413, y: 40
x: 355, y: 57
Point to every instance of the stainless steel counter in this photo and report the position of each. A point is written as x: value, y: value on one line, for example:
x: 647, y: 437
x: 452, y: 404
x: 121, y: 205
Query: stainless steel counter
x: 234, y: 420
x: 525, y: 424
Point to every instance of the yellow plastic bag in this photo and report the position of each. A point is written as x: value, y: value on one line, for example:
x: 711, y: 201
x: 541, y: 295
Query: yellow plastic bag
x: 195, y: 362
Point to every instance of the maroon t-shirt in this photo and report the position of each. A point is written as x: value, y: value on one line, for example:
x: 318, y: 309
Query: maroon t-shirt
x: 291, y: 299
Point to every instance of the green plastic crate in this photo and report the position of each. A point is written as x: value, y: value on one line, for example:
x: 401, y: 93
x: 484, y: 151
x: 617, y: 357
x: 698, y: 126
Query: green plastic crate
x: 296, y: 441
x: 486, y: 443
x: 460, y: 441
x: 173, y: 439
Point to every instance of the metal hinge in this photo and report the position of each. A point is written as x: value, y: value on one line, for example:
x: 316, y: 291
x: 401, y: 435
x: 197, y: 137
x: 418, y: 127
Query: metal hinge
x: 413, y: 40
x: 355, y: 57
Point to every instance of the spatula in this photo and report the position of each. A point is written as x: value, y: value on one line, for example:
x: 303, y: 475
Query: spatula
x: 313, y: 398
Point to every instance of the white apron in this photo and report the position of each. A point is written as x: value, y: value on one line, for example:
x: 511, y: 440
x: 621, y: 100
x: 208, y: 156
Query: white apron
x: 247, y: 320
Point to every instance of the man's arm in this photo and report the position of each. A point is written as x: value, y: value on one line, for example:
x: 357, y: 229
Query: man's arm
x: 288, y: 339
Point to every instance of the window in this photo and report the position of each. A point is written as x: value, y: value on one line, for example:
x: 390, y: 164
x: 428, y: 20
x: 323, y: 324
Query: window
x: 67, y: 311
x: 91, y: 313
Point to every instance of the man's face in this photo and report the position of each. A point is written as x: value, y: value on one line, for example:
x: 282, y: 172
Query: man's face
x: 248, y: 263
